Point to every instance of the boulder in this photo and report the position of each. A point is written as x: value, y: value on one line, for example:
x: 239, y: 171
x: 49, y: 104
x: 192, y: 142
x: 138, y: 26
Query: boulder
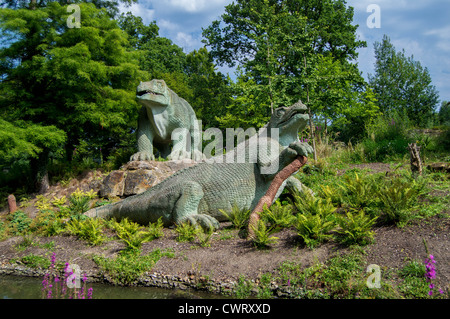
x: 136, y: 177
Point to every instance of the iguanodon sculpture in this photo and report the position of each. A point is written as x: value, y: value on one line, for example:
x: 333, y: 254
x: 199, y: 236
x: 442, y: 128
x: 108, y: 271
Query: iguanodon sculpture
x: 163, y: 112
x: 198, y: 193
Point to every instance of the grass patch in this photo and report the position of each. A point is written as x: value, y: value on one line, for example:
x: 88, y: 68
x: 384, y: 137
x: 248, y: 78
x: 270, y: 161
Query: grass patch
x: 128, y: 266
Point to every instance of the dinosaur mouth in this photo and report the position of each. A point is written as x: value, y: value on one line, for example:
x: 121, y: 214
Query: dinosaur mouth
x: 145, y: 92
x: 291, y: 114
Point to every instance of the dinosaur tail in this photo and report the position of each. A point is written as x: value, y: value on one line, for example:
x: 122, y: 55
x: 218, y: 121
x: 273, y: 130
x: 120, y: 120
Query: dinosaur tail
x: 106, y: 211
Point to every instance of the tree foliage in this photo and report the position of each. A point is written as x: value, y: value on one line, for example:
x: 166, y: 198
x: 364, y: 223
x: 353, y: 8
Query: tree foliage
x: 276, y: 44
x: 79, y: 81
x: 402, y: 84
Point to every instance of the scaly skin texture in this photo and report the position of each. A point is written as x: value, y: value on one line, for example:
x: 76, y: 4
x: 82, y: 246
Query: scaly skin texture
x: 197, y: 194
x: 163, y: 112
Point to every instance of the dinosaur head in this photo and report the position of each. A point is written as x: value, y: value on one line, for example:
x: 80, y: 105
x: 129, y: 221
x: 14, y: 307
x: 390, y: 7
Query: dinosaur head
x: 154, y: 92
x: 289, y: 121
x: 293, y: 118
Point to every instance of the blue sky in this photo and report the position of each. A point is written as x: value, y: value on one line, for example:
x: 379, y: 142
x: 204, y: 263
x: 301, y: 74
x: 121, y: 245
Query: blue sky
x: 421, y: 27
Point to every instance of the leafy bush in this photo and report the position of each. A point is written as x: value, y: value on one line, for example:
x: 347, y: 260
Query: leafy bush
x: 156, y: 229
x: 278, y: 216
x: 78, y: 204
x: 19, y: 223
x: 386, y: 136
x: 186, y: 232
x: 126, y: 268
x: 398, y: 197
x: 204, y: 236
x: 263, y: 237
x: 314, y: 229
x: 356, y: 228
x: 359, y: 192
x: 133, y: 235
x: 308, y: 204
x: 89, y: 229
x: 47, y: 223
x: 238, y: 217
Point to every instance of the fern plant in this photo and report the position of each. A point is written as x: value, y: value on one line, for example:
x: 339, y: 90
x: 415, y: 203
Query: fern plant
x: 360, y: 191
x: 89, y: 229
x: 263, y: 238
x: 186, y: 232
x: 278, y: 216
x: 308, y: 204
x: 133, y: 234
x: 238, y: 217
x: 204, y: 236
x: 355, y: 228
x: 314, y: 228
x: 78, y: 204
x: 156, y: 229
x: 398, y: 198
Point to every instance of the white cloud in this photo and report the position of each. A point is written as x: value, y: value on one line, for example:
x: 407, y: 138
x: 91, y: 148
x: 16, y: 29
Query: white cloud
x: 187, y: 41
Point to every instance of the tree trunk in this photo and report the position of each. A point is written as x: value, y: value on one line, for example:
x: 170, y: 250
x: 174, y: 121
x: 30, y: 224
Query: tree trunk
x: 311, y: 124
x: 39, y: 172
x: 416, y: 162
x: 268, y: 198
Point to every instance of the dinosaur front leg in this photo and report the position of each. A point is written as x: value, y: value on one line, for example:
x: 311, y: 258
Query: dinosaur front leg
x: 186, y: 207
x: 180, y: 138
x: 145, y: 136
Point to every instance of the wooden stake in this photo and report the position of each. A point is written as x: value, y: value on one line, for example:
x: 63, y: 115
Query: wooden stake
x: 268, y: 198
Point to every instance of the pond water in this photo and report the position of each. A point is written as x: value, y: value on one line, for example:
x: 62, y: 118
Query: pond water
x: 15, y: 287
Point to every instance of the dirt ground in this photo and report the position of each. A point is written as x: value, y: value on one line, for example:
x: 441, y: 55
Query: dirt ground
x: 230, y: 255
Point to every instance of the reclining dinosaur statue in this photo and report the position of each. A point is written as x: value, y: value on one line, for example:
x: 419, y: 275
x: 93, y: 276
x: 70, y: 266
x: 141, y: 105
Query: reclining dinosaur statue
x: 197, y: 194
x: 163, y: 112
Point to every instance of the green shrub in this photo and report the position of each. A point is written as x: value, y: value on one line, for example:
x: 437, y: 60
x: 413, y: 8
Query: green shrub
x: 47, y: 223
x: 204, y: 236
x: 387, y: 136
x: 133, y: 236
x: 79, y: 205
x: 308, y: 204
x: 314, y: 229
x: 89, y: 229
x: 398, y: 197
x: 278, y: 216
x: 359, y: 191
x: 186, y: 232
x: 156, y: 229
x: 238, y: 217
x: 263, y: 238
x: 126, y: 268
x: 19, y: 223
x: 356, y: 228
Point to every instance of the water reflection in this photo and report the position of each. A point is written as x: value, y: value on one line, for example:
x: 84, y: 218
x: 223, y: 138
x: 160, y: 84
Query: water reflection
x: 15, y: 287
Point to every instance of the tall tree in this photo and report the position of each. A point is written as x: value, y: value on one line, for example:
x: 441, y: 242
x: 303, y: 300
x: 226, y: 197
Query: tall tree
x: 211, y: 92
x: 111, y: 6
x: 275, y: 43
x: 402, y: 84
x: 78, y: 83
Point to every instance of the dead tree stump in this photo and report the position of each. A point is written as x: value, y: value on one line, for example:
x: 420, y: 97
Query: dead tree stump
x: 416, y: 162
